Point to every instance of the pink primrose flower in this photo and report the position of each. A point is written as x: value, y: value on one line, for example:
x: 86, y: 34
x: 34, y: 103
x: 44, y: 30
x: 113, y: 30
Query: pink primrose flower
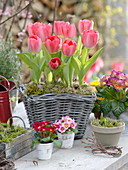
x: 119, y: 85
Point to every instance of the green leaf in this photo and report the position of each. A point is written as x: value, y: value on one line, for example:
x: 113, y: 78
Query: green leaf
x: 47, y: 139
x: 79, y: 45
x: 46, y: 53
x: 58, y: 143
x: 105, y: 107
x: 84, y: 55
x: 117, y: 108
x: 92, y: 60
x: 76, y: 64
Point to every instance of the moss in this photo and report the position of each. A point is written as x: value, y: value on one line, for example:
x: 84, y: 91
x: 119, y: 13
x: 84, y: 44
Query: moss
x: 34, y: 89
x: 107, y: 122
x: 9, y: 133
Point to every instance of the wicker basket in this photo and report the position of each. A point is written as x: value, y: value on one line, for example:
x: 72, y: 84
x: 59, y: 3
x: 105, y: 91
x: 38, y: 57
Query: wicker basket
x: 53, y: 106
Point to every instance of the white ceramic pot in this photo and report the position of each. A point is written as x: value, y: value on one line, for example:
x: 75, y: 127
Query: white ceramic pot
x: 44, y: 151
x: 107, y: 136
x: 67, y: 139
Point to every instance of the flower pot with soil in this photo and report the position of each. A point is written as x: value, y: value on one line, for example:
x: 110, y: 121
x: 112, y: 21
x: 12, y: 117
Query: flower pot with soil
x: 107, y: 131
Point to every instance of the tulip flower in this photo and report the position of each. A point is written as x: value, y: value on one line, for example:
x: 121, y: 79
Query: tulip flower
x: 69, y: 47
x: 85, y: 25
x: 34, y: 44
x: 41, y: 30
x: 90, y: 38
x: 65, y: 29
x: 58, y: 27
x: 52, y: 44
x: 54, y: 63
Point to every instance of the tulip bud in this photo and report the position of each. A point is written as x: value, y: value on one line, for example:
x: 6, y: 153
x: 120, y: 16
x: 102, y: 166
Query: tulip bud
x: 40, y: 29
x: 34, y: 44
x: 90, y: 38
x: 85, y: 25
x: 54, y: 63
x: 69, y: 47
x: 52, y: 44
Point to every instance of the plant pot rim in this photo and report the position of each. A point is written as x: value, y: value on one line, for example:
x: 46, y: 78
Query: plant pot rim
x: 45, y: 143
x: 106, y: 130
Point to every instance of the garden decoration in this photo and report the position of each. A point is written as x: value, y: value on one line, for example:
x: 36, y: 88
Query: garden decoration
x: 45, y: 136
x: 107, y: 131
x: 99, y: 149
x: 15, y: 141
x: 62, y: 64
x: 66, y: 131
x: 112, y: 94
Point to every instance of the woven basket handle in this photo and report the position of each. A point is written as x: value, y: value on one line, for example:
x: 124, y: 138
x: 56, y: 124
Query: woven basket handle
x: 18, y: 118
x: 8, y: 88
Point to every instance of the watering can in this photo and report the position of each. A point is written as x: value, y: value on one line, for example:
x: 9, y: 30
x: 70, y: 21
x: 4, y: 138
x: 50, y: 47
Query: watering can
x: 5, y: 108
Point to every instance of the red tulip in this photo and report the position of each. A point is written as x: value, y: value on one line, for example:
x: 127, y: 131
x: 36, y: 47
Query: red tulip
x: 90, y: 38
x: 54, y: 63
x: 85, y: 25
x: 65, y: 29
x: 34, y: 44
x: 69, y: 47
x: 52, y: 44
x: 40, y: 29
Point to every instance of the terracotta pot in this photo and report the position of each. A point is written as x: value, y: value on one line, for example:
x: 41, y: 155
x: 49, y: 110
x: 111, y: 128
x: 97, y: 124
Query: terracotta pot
x: 107, y: 136
x: 44, y: 151
x: 67, y: 140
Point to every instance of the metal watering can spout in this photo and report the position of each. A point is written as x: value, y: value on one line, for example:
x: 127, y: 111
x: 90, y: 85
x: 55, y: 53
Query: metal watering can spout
x: 5, y: 109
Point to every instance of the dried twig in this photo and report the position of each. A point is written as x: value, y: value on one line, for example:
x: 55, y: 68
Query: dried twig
x: 113, y: 151
x: 16, y: 13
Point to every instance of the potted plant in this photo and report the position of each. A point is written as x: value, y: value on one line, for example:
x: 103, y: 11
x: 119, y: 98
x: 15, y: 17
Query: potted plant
x: 62, y: 64
x: 45, y: 136
x: 107, y: 131
x: 10, y: 67
x: 66, y: 131
x: 14, y: 140
x: 112, y: 94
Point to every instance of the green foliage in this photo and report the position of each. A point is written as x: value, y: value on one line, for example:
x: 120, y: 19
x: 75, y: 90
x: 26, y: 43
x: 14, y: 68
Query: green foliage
x: 57, y: 88
x: 51, y: 138
x: 10, y: 66
x: 9, y: 132
x: 106, y: 122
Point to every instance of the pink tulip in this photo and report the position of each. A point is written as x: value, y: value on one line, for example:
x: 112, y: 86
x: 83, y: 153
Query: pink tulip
x: 65, y: 29
x: 85, y: 25
x: 54, y: 63
x: 34, y: 44
x: 58, y: 27
x: 90, y: 38
x: 69, y: 47
x: 40, y: 29
x: 52, y: 44
x: 118, y: 66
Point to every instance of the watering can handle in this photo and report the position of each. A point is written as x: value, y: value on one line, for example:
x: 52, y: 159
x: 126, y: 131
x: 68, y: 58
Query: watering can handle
x: 8, y: 88
x: 18, y: 118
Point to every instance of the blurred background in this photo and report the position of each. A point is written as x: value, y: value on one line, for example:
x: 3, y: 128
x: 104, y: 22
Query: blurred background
x: 110, y: 18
